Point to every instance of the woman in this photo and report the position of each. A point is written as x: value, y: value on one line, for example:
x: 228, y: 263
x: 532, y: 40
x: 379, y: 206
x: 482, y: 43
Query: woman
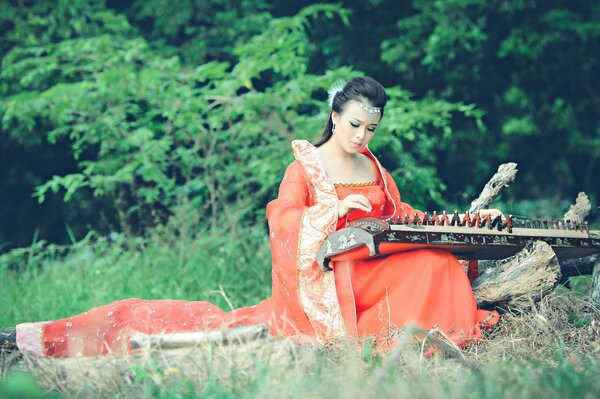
x: 328, y: 185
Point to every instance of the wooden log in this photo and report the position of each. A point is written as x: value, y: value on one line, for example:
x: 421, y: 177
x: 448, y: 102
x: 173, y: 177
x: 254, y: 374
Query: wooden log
x: 582, y: 266
x: 595, y: 288
x: 577, y: 213
x: 516, y: 281
x: 503, y: 177
x: 569, y: 267
x: 580, y: 209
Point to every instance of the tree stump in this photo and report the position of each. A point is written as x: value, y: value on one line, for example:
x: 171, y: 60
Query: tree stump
x: 595, y: 288
x: 515, y: 281
x: 581, y: 266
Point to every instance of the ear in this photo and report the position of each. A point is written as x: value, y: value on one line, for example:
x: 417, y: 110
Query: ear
x: 335, y: 117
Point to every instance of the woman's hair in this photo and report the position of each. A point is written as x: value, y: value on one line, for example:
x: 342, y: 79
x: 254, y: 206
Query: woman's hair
x: 364, y: 89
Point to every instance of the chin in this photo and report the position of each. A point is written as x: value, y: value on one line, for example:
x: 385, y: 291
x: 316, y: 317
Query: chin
x: 354, y: 150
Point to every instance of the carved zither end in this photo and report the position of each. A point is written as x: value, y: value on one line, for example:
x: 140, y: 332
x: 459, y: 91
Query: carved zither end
x: 322, y: 261
x: 325, y: 266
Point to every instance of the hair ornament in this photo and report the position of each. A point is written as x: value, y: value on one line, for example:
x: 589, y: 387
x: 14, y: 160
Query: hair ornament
x: 371, y: 111
x: 333, y: 90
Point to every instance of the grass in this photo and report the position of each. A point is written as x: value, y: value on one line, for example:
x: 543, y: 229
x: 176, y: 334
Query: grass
x: 549, y: 350
x: 46, y: 282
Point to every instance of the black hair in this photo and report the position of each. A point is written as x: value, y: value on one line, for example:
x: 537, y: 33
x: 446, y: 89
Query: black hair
x: 362, y: 88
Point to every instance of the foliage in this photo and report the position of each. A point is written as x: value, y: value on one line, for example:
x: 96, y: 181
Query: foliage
x: 134, y: 110
x: 531, y: 66
x: 151, y: 135
x: 199, y: 31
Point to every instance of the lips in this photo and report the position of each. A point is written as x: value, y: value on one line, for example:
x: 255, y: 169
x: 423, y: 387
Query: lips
x: 354, y: 144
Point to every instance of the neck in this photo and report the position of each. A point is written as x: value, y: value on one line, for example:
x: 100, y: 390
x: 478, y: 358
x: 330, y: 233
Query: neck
x: 336, y: 152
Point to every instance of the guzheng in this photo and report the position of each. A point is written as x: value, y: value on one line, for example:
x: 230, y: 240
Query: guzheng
x: 467, y: 237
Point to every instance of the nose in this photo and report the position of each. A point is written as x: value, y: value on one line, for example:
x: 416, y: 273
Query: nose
x: 360, y: 133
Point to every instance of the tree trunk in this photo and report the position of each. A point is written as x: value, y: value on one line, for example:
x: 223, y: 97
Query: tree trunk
x: 595, y: 288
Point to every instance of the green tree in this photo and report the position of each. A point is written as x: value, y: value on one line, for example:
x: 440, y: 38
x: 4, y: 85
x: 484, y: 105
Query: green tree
x: 531, y: 66
x: 151, y: 136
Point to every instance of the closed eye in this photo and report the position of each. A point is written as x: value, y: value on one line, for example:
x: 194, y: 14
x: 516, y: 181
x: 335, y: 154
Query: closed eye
x: 371, y: 129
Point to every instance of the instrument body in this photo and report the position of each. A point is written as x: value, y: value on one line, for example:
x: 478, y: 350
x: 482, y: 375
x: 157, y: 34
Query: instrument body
x: 371, y: 237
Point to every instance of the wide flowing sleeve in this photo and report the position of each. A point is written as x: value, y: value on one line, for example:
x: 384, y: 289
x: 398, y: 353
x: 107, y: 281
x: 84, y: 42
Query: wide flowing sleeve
x: 303, y: 215
x: 292, y: 200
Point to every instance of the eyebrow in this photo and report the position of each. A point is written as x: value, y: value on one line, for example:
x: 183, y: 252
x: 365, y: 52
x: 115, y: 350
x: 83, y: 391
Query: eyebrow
x: 358, y: 120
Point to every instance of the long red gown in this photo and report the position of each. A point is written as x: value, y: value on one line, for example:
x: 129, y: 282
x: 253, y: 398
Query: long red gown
x: 364, y: 298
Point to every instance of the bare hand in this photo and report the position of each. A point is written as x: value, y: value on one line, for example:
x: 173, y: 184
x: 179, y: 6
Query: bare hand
x: 494, y: 213
x: 353, y: 201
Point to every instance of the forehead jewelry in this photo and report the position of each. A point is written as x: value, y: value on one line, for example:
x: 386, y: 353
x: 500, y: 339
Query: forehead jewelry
x: 372, y: 112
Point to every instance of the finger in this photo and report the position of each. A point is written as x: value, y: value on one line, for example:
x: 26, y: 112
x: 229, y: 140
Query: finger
x: 494, y: 213
x: 358, y: 205
x: 357, y: 199
x: 363, y: 200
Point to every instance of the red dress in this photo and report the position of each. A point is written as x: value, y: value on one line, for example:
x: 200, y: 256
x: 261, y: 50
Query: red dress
x: 372, y: 298
x: 425, y: 288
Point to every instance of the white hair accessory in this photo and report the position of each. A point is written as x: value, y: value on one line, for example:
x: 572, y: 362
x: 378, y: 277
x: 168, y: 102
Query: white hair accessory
x: 335, y: 89
x: 371, y: 111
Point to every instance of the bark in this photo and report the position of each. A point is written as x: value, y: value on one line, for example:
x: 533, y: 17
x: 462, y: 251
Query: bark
x: 595, y: 288
x: 582, y: 266
x: 580, y: 209
x: 520, y: 279
x: 502, y: 178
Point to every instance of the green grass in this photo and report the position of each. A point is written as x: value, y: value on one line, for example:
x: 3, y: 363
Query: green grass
x: 46, y: 282
x: 346, y: 375
x: 544, y: 352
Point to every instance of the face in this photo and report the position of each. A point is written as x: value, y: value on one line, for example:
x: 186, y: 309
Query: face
x: 353, y: 129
